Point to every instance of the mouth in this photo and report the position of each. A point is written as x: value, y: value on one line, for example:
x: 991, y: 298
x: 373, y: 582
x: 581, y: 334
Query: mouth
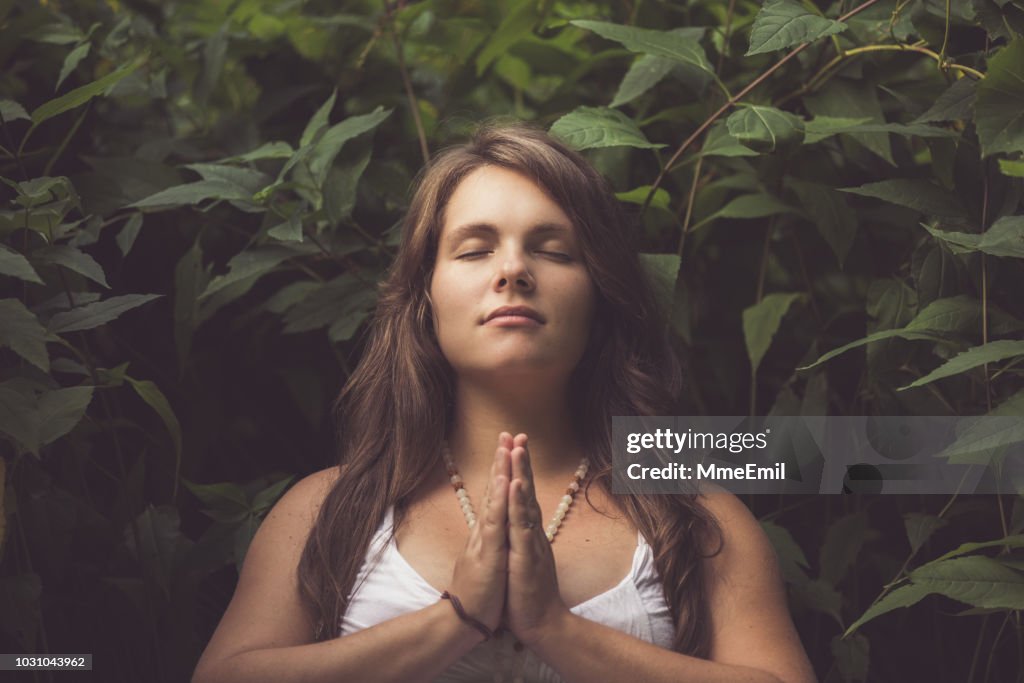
x: 512, y: 314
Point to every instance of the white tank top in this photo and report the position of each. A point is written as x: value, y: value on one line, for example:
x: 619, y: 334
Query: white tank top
x: 387, y: 587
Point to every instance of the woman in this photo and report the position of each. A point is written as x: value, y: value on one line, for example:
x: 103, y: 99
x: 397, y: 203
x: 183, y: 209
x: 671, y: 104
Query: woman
x: 516, y: 305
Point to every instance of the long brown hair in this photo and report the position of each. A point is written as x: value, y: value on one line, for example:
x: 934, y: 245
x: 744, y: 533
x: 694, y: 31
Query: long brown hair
x: 389, y: 410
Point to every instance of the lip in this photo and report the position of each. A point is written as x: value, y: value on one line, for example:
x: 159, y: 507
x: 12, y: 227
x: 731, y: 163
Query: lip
x: 514, y: 315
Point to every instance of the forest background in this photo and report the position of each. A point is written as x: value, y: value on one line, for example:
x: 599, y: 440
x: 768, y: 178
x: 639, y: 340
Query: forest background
x: 199, y: 198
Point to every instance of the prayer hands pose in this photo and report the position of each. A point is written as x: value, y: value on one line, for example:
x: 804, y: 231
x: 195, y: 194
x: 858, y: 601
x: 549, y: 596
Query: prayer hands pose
x: 506, y: 577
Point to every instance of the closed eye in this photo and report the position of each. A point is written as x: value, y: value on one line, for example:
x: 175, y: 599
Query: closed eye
x: 472, y: 254
x: 558, y: 256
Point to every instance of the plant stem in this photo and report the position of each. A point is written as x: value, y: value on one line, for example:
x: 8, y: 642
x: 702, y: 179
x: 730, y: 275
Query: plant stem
x: 733, y: 100
x: 414, y: 106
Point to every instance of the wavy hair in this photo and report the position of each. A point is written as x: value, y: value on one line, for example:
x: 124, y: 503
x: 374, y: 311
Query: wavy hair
x: 387, y: 414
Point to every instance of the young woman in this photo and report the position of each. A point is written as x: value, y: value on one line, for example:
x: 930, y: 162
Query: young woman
x: 444, y: 548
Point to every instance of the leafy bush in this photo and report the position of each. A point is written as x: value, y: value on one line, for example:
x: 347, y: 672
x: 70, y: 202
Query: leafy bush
x: 199, y: 199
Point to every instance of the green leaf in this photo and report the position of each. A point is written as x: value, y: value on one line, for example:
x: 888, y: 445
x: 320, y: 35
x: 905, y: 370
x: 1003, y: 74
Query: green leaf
x: 70, y: 62
x: 843, y: 542
x: 999, y: 110
x: 920, y: 527
x: 1005, y: 237
x: 829, y: 213
x: 345, y: 298
x: 517, y: 25
x: 21, y: 331
x: 820, y: 596
x: 784, y: 23
x: 757, y: 205
x: 98, y: 313
x: 319, y: 121
x: 13, y: 264
x: 660, y: 200
x: 248, y: 264
x: 644, y: 73
x: 224, y: 495
x: 720, y: 143
x: 80, y: 96
x: 265, y: 499
x: 920, y: 195
x: 983, y: 441
x: 976, y: 580
x: 765, y: 129
x: 155, y: 399
x: 761, y: 322
x: 647, y: 41
x: 12, y: 111
x: 857, y: 100
x: 1013, y: 541
x: 903, y: 596
x: 290, y: 230
x: 822, y: 127
x: 972, y: 358
x: 791, y: 557
x: 193, y: 193
x: 1014, y: 169
x: 662, y: 271
x: 60, y: 410
x: 74, y: 260
x: 852, y: 657
x: 126, y: 237
x: 592, y: 127
x: 955, y: 104
x: 330, y: 143
x: 18, y: 419
x: 268, y: 150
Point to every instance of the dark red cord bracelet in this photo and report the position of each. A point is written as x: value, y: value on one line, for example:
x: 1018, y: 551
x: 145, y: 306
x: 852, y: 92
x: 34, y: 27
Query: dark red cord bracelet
x: 488, y: 633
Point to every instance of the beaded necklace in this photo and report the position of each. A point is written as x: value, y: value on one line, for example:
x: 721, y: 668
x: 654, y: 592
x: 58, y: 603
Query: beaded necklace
x: 511, y: 659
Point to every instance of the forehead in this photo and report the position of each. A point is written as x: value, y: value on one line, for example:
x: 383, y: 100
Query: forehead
x: 502, y: 199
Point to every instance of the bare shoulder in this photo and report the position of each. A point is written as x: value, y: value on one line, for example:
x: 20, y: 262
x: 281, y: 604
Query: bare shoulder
x: 751, y: 625
x: 266, y: 609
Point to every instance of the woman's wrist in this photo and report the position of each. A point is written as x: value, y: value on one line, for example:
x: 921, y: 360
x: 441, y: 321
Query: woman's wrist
x: 465, y: 633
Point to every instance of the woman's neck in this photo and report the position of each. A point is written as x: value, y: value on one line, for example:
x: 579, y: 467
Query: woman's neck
x: 482, y: 411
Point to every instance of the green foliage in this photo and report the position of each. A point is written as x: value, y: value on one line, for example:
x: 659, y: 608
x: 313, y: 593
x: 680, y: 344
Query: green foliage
x: 199, y: 199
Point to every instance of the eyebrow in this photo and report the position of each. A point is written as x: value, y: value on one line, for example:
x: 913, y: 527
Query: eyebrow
x: 481, y: 229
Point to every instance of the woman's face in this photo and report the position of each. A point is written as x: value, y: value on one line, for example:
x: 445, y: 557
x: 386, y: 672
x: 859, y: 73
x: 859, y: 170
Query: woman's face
x: 505, y: 243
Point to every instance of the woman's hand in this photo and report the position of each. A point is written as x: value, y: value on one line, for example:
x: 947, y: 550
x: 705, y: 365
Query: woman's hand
x: 534, y: 602
x: 481, y: 572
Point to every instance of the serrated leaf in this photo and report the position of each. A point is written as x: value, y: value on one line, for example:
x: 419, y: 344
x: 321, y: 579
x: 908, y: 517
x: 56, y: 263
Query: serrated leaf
x: 976, y: 580
x: 268, y: 150
x: 820, y: 596
x: 954, y: 104
x: 791, y: 557
x: 326, y: 149
x: 842, y: 98
x: 60, y: 410
x: 822, y: 127
x: 289, y: 231
x: 81, y: 95
x: 662, y: 270
x: 999, y: 110
x: 593, y: 127
x: 761, y: 322
x: 12, y: 111
x: 902, y: 596
x: 913, y: 193
x: 746, y: 206
x: 250, y: 263
x: 719, y: 142
x: 843, y: 542
x: 319, y: 121
x: 970, y: 359
x: 70, y: 62
x: 1005, y: 237
x: 155, y: 399
x: 647, y: 41
x: 74, y: 260
x: 765, y: 129
x: 644, y: 73
x: 266, y: 498
x: 1012, y: 541
x: 21, y: 331
x: 638, y: 195
x: 96, y: 314
x: 126, y: 237
x: 784, y: 23
x: 193, y: 193
x: 829, y: 213
x: 920, y: 527
x: 13, y: 264
x: 517, y: 24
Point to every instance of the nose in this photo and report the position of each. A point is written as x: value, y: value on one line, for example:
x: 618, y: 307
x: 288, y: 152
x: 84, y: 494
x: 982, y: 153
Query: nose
x: 513, y: 273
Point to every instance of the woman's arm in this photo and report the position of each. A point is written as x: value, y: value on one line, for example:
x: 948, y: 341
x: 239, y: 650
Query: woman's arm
x: 266, y: 635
